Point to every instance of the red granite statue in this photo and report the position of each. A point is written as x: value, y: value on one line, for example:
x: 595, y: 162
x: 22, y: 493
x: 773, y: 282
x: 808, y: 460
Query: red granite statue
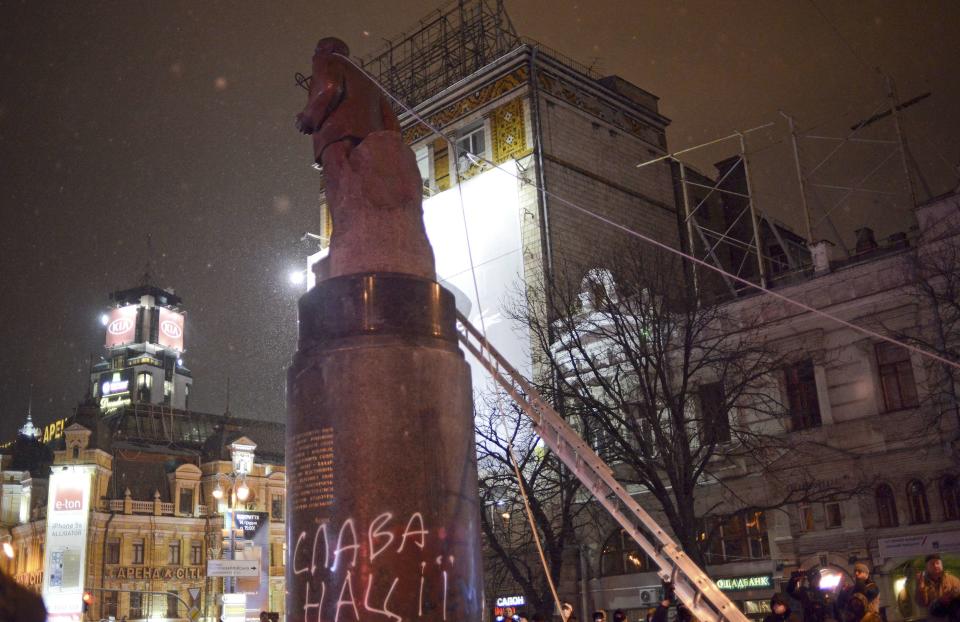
x: 373, y: 185
x: 344, y: 106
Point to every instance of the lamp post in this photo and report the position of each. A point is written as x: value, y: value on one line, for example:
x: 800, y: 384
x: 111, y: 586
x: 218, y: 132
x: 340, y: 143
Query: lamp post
x: 7, y: 546
x: 239, y: 491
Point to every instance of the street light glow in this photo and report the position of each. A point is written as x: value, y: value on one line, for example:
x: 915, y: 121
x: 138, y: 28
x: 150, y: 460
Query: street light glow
x: 243, y: 492
x: 104, y: 319
x: 297, y: 277
x: 218, y: 492
x: 8, y: 550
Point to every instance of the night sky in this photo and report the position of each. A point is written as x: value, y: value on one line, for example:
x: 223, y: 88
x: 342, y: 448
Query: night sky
x: 175, y: 119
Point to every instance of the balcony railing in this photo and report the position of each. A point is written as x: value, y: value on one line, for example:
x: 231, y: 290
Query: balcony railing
x: 117, y: 506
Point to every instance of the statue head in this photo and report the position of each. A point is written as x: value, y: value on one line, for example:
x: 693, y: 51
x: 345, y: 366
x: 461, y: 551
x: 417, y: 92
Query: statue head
x: 331, y: 45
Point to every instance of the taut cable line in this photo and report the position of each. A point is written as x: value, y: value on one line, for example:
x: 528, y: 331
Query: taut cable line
x: 663, y: 246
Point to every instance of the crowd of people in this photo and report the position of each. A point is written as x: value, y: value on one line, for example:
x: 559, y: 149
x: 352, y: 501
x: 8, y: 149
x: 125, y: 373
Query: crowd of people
x: 935, y: 591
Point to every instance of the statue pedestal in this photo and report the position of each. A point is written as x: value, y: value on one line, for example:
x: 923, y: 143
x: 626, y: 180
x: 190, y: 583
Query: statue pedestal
x: 383, y: 516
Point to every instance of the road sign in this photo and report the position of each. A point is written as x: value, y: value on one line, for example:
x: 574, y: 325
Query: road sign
x: 194, y: 614
x: 233, y: 568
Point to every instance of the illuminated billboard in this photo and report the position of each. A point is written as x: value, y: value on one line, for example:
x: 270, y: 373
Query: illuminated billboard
x: 68, y: 514
x: 122, y: 325
x: 170, y: 334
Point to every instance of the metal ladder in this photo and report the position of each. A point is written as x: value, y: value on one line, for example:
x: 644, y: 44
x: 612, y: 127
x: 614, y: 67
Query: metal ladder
x: 691, y: 584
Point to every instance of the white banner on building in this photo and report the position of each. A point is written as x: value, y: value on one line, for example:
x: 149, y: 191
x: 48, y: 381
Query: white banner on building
x: 912, y: 546
x: 68, y: 516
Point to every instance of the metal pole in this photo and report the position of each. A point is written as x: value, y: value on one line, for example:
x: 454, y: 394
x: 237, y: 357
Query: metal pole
x: 753, y: 214
x: 803, y: 189
x: 233, y: 533
x: 892, y: 94
x: 706, y: 144
x: 689, y: 219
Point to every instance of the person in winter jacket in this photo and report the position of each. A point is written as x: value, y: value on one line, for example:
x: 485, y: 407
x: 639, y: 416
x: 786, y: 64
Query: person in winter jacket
x: 933, y: 585
x: 780, y: 610
x: 857, y: 609
x: 817, y: 604
x: 863, y: 584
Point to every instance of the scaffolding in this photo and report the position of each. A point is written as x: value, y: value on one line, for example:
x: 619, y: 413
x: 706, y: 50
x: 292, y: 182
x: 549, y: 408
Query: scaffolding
x: 444, y: 47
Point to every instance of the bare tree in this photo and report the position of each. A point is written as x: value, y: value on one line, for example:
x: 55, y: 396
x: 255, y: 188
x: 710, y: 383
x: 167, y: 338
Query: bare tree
x: 555, y: 501
x: 675, y: 393
x: 934, y: 267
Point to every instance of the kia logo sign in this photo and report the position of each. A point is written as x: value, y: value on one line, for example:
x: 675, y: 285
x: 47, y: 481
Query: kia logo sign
x: 171, y: 329
x: 68, y: 499
x: 120, y: 326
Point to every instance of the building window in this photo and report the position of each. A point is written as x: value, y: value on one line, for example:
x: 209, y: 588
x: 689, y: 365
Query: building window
x: 137, y: 552
x: 276, y: 507
x: 896, y: 377
x: 739, y: 537
x: 716, y: 420
x: 196, y: 553
x: 622, y: 555
x: 109, y: 608
x: 802, y: 395
x: 113, y: 551
x: 833, y: 515
x: 186, y: 501
x: 917, y: 500
x: 173, y: 557
x: 806, y: 518
x: 886, y: 506
x: 136, y: 605
x: 144, y: 386
x: 470, y: 147
x: 173, y: 605
x: 950, y: 495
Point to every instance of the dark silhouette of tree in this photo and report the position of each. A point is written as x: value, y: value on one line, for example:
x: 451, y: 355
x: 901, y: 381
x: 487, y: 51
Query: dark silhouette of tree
x: 677, y: 395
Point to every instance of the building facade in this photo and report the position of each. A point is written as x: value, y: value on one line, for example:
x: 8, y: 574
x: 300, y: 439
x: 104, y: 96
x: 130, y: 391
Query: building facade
x: 883, y: 420
x: 128, y: 500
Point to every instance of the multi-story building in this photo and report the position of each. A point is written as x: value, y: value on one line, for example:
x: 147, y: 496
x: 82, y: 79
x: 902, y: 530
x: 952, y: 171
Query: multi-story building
x: 881, y: 419
x: 142, y: 494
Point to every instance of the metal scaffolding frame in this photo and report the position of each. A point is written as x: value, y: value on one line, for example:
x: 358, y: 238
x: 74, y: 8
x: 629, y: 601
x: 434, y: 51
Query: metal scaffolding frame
x: 444, y: 47
x: 701, y: 236
x: 890, y: 107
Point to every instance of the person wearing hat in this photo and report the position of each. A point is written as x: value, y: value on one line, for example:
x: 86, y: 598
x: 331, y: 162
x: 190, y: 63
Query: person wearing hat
x: 862, y: 584
x: 935, y: 587
x: 780, y: 610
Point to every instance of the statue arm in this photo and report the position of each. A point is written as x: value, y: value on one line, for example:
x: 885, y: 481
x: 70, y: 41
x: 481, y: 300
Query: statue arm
x: 326, y: 92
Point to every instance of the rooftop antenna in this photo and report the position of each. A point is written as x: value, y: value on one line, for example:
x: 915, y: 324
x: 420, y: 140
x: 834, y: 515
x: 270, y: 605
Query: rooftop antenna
x: 148, y: 266
x: 227, y: 410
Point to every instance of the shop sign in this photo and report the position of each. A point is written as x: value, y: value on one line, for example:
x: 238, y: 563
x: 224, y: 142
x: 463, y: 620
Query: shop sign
x: 30, y: 579
x: 510, y: 601
x: 142, y: 572
x: 912, y: 546
x: 750, y: 582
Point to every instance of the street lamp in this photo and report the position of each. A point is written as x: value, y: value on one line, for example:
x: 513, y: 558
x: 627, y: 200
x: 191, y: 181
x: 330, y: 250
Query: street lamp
x: 241, y: 457
x: 239, y: 491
